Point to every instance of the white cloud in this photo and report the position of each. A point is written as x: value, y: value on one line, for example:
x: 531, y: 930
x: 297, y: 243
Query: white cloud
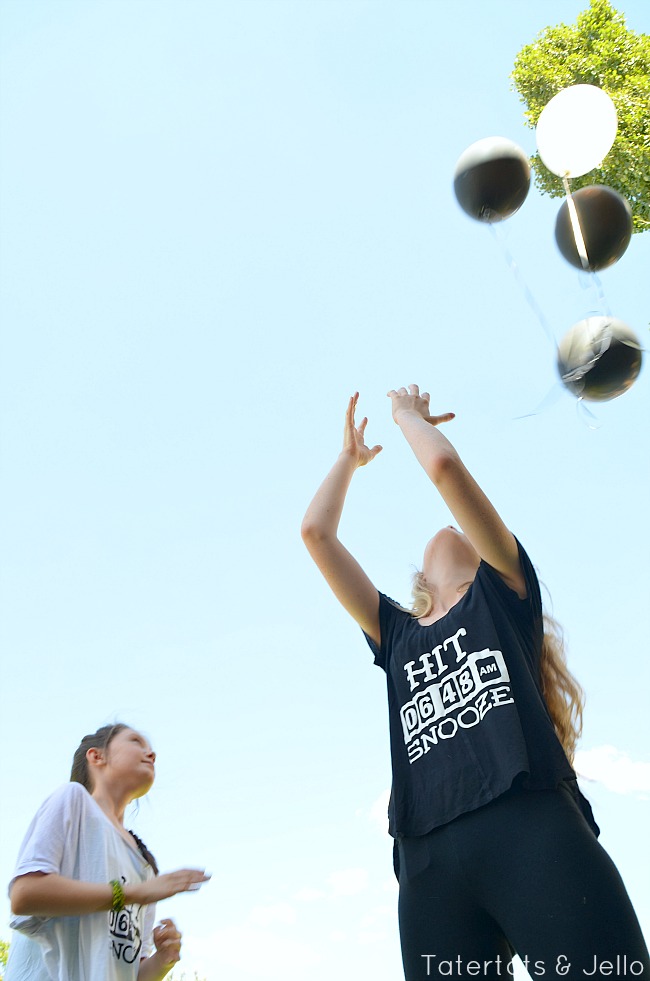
x: 378, y: 916
x: 344, y: 882
x: 367, y: 938
x: 266, y: 916
x: 251, y: 951
x: 378, y: 813
x: 348, y: 882
x: 308, y: 895
x: 614, y: 769
x: 390, y: 885
x: 305, y: 935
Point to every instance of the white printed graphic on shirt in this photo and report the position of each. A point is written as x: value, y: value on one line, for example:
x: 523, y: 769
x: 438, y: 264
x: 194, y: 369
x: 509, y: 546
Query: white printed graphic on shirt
x: 457, y: 699
x: 125, y: 933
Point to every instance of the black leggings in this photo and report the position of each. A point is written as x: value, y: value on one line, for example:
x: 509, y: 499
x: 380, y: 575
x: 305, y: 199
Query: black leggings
x: 523, y: 875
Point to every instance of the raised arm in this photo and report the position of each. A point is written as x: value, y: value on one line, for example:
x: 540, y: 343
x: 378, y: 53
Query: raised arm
x: 474, y: 513
x: 49, y: 894
x: 346, y: 578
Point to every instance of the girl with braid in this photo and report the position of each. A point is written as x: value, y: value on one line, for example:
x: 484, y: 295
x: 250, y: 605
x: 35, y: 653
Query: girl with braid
x: 85, y: 889
x: 496, y: 849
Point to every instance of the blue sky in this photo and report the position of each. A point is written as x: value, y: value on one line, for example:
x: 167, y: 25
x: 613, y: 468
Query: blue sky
x: 218, y: 221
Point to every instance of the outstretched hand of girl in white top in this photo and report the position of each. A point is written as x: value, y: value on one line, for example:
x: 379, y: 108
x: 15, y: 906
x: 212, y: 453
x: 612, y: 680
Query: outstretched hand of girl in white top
x: 165, y: 886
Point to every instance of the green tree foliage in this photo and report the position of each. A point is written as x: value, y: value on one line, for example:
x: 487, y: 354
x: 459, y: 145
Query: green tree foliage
x: 597, y: 50
x: 4, y: 954
x: 175, y: 977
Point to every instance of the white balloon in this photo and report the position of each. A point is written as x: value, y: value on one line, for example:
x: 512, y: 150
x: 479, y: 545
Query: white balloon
x: 576, y: 130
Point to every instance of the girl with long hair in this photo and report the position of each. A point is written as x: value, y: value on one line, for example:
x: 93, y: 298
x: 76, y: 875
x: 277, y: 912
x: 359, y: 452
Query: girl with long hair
x: 84, y: 891
x: 496, y: 849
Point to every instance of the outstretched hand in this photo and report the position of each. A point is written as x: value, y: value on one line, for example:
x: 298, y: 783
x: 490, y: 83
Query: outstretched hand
x: 166, y: 885
x: 411, y: 401
x: 354, y: 436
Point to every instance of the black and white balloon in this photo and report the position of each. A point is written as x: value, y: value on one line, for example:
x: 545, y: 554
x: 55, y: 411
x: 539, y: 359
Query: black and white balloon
x: 492, y: 179
x: 599, y: 358
x: 605, y: 220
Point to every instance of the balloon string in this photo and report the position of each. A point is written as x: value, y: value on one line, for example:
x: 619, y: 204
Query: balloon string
x: 549, y: 399
x: 591, y: 277
x: 575, y: 225
x: 588, y: 418
x: 516, y: 272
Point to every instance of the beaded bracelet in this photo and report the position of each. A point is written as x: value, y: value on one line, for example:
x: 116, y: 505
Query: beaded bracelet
x: 118, y: 896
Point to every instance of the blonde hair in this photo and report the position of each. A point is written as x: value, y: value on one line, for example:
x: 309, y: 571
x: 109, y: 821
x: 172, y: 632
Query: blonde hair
x: 423, y: 596
x: 563, y: 695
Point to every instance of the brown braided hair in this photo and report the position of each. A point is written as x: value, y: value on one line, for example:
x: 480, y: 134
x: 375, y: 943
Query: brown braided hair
x: 81, y: 774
